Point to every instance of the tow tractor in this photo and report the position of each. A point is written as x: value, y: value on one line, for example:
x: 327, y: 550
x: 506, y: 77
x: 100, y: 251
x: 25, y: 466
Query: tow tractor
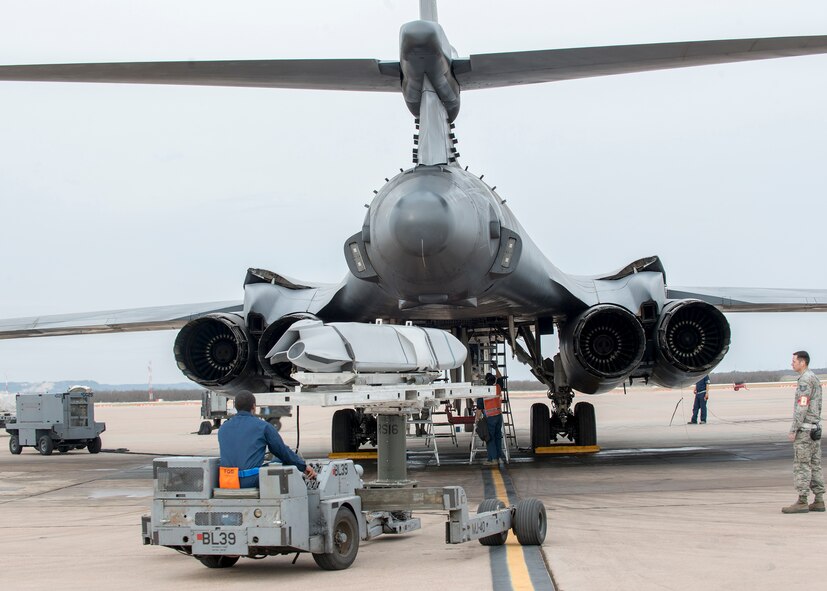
x: 327, y: 516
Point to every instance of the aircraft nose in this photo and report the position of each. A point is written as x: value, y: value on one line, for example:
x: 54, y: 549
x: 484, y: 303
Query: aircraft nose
x: 422, y: 223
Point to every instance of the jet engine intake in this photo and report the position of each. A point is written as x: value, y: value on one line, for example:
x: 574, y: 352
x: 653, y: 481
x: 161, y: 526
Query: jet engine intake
x: 601, y: 347
x: 692, y: 338
x: 213, y: 350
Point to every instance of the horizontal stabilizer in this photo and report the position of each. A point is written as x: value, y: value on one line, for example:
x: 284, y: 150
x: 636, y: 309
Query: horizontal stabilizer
x: 319, y: 74
x: 749, y: 299
x: 136, y: 319
x: 491, y: 70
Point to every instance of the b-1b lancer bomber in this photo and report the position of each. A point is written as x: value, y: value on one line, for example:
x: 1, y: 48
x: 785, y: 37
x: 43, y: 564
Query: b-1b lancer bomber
x: 439, y: 248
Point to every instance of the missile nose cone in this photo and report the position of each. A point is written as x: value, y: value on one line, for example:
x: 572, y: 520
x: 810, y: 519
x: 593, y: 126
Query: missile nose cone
x: 422, y: 223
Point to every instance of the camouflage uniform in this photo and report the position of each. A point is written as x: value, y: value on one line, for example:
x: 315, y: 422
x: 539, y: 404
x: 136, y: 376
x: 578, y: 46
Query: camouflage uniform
x: 807, y: 412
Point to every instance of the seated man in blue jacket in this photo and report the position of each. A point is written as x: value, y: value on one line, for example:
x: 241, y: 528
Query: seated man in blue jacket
x: 243, y: 441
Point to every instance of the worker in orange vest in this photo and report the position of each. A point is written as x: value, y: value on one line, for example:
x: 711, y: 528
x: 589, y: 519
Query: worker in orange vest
x: 492, y: 409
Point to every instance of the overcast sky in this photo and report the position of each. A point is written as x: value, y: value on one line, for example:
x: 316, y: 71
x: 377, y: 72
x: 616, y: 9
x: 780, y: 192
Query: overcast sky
x: 129, y: 196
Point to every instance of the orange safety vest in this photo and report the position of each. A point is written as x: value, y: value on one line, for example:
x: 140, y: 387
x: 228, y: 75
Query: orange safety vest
x: 493, y: 406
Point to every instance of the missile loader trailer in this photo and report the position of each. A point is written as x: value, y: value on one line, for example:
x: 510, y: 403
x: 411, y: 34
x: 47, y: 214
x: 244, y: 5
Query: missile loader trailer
x: 327, y: 516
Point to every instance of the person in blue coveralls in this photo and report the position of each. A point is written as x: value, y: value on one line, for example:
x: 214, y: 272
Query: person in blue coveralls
x: 242, y: 442
x: 701, y: 397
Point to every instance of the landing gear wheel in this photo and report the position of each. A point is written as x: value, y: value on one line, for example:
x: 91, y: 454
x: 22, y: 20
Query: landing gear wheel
x: 345, y: 542
x: 530, y: 522
x: 63, y: 448
x: 94, y: 446
x: 45, y: 445
x: 218, y: 561
x: 539, y: 426
x: 343, y: 431
x: 276, y: 422
x: 205, y: 428
x: 586, y: 425
x: 14, y: 445
x: 494, y: 539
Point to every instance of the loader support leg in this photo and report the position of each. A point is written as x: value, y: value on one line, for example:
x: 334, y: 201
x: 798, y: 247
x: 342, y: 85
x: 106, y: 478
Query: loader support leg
x: 392, y: 467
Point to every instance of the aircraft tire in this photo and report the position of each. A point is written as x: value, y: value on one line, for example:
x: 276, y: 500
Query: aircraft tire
x: 343, y: 431
x: 530, y: 522
x: 205, y: 428
x: 345, y: 542
x: 94, y: 446
x: 586, y: 424
x: 494, y: 539
x: 218, y: 561
x: 14, y: 445
x: 539, y: 426
x: 45, y: 445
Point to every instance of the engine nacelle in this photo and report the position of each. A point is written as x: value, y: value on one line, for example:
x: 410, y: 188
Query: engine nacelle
x: 601, y: 347
x: 691, y: 339
x: 271, y: 336
x: 214, y: 350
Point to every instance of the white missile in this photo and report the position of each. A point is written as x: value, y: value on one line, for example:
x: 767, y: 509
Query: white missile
x: 341, y: 346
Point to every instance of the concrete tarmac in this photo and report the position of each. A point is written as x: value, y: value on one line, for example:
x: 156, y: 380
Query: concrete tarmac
x: 659, y: 507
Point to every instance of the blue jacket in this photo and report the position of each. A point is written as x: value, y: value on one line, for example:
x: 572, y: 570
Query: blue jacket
x: 243, y: 441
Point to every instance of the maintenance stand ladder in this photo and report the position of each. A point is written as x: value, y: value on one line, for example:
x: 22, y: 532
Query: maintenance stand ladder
x: 498, y: 358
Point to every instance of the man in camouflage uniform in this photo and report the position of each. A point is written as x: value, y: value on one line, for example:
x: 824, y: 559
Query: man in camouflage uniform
x: 806, y: 416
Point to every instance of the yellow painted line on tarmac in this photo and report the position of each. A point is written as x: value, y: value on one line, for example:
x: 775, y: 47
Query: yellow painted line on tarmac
x: 517, y: 568
x: 567, y: 449
x: 353, y: 455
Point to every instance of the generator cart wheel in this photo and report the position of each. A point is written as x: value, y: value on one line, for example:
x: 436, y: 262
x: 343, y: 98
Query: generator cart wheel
x: 63, y: 448
x: 45, y: 445
x: 94, y: 446
x: 14, y: 445
x: 345, y: 542
x: 205, y: 428
x: 218, y: 561
x: 530, y: 522
x: 494, y: 539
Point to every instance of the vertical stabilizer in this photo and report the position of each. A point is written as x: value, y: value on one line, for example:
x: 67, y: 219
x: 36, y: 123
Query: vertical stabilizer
x: 427, y: 11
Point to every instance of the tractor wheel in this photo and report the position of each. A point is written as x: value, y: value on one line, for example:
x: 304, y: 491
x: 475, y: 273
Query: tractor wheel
x: 218, y: 561
x: 497, y: 539
x: 345, y: 542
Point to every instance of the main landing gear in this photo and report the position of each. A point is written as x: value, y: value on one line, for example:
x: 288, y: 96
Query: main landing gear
x: 578, y: 426
x: 352, y: 428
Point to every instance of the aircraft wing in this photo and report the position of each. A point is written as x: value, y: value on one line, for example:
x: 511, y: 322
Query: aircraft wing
x: 136, y: 319
x: 491, y: 70
x: 748, y: 299
x: 319, y: 74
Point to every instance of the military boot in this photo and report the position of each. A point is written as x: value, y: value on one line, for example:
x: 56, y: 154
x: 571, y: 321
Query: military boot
x: 800, y: 506
x: 818, y: 504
